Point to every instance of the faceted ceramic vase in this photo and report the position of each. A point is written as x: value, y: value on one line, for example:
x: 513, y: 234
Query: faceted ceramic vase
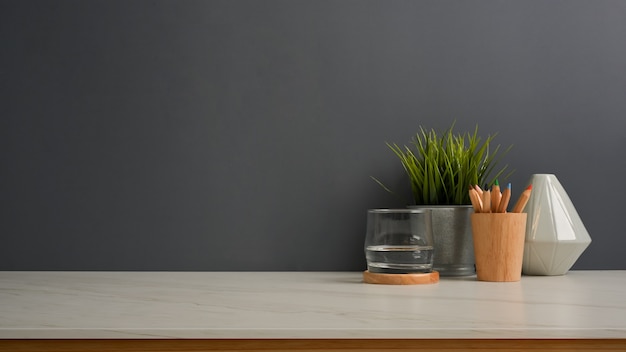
x: 555, y: 234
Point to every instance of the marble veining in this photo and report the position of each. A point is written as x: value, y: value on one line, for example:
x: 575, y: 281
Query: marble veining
x: 580, y: 304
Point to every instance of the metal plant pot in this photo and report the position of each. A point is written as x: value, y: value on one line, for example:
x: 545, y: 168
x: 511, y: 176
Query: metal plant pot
x: 452, y: 232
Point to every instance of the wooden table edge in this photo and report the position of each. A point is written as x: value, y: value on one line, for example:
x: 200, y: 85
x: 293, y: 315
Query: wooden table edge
x: 302, y: 345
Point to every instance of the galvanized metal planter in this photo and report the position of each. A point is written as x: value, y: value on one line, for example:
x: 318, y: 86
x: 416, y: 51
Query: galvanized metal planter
x: 452, y: 232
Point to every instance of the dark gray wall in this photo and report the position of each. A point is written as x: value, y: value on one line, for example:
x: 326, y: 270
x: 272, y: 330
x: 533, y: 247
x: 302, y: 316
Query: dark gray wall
x: 241, y: 135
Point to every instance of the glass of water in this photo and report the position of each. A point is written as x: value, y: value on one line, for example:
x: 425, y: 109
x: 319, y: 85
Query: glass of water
x: 399, y: 241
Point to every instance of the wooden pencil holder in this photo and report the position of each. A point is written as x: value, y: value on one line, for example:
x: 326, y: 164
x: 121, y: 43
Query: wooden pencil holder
x: 498, y: 245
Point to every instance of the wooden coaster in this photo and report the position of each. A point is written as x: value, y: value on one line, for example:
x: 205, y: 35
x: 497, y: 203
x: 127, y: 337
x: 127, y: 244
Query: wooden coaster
x: 401, y: 279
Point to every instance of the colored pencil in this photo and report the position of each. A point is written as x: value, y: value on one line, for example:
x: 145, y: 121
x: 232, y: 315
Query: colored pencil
x: 478, y: 190
x: 495, y: 197
x: 506, y: 197
x: 486, y: 201
x: 475, y: 198
x: 523, y: 199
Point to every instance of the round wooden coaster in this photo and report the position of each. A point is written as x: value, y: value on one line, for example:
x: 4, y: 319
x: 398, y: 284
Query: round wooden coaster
x: 401, y: 279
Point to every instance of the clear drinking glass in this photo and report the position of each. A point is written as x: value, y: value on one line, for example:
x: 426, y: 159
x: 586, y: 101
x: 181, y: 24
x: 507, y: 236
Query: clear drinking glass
x: 399, y: 241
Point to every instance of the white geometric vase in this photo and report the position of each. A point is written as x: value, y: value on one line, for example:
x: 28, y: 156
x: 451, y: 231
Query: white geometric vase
x: 555, y: 234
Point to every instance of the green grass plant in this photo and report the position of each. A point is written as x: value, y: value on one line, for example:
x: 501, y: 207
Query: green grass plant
x: 442, y: 166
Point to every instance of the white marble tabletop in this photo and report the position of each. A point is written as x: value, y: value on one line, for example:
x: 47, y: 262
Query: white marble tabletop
x: 580, y: 304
